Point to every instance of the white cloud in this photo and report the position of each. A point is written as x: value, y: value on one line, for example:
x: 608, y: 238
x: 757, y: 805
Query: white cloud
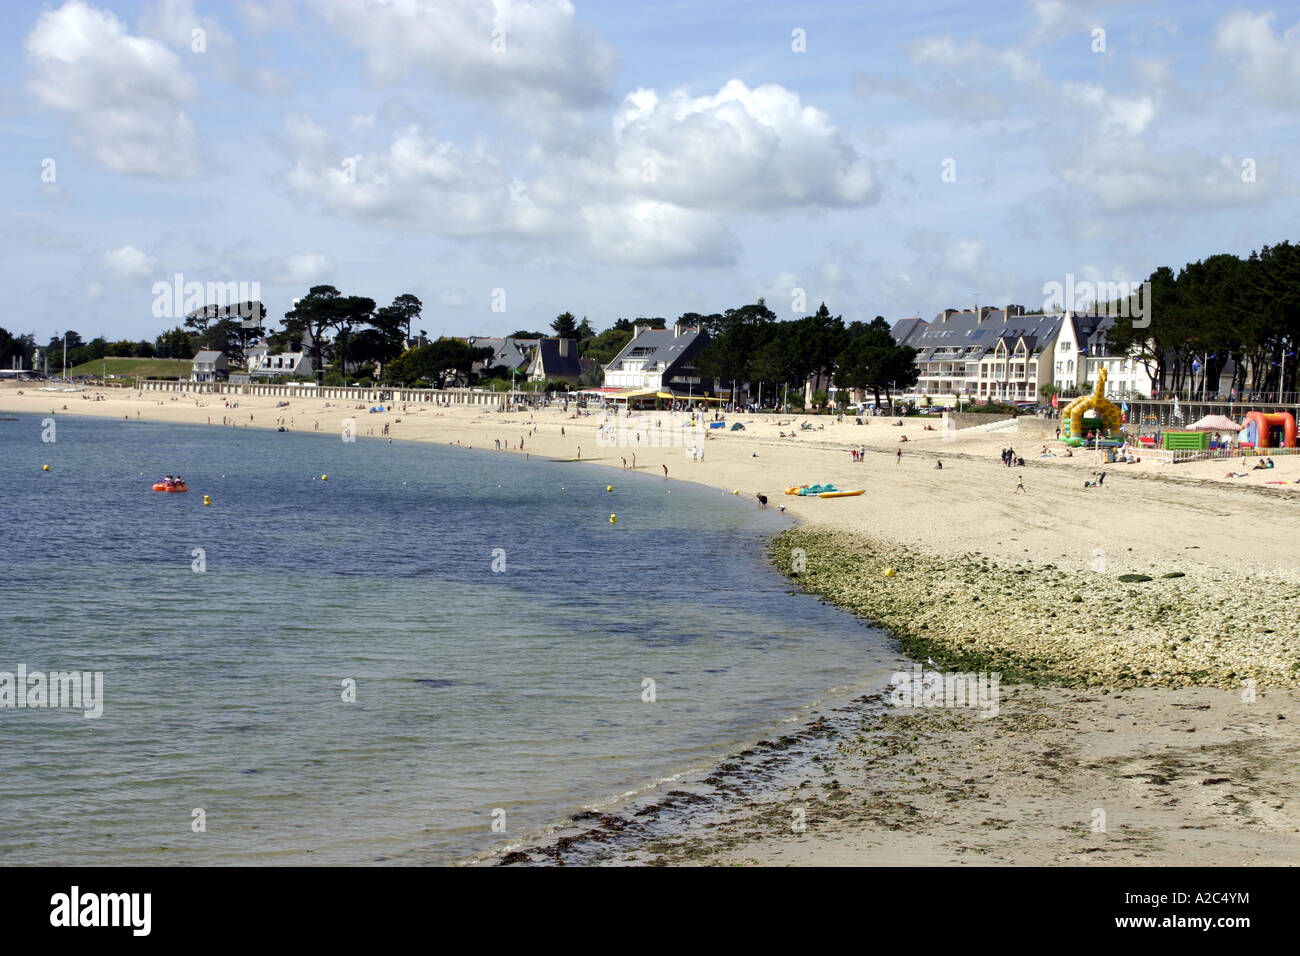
x: 654, y: 191
x: 130, y: 263
x: 1268, y: 63
x: 175, y: 22
x: 419, y: 182
x: 1117, y: 114
x: 537, y: 57
x: 1126, y: 175
x: 124, y: 95
x: 646, y: 232
x: 740, y: 149
x: 301, y: 268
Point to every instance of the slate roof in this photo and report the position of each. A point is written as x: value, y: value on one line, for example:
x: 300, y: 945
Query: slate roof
x: 653, y: 346
x: 512, y: 353
x: 556, y: 365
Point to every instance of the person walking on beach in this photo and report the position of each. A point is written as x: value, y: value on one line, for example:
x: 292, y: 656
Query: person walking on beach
x: 898, y: 456
x: 665, y: 471
x: 1020, y: 484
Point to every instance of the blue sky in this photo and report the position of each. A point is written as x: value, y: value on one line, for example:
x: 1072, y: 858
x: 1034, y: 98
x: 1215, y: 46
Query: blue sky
x: 622, y: 159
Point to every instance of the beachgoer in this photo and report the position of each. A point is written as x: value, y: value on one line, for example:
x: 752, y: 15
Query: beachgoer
x: 898, y: 456
x: 762, y: 500
x: 939, y: 464
x: 1020, y: 484
x: 665, y: 471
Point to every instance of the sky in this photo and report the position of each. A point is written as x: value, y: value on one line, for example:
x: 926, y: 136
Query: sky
x: 507, y: 161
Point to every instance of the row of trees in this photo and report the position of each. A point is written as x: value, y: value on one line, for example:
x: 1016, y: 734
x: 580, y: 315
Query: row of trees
x: 1215, y: 310
x: 751, y: 346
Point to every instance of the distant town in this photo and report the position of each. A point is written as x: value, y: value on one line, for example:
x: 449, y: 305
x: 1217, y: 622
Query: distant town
x: 1219, y: 330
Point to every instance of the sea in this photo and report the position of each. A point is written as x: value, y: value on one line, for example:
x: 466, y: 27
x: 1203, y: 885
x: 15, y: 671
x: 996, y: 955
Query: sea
x: 370, y: 652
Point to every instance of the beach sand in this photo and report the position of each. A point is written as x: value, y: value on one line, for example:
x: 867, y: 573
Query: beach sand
x: 942, y: 785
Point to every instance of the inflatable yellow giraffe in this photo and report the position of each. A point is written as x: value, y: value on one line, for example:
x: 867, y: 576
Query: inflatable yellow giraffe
x: 1112, y: 420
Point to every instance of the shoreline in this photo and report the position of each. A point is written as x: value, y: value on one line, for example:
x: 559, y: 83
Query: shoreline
x: 1023, y: 562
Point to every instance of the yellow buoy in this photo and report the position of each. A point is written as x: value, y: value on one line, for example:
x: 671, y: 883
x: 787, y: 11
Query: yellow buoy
x: 46, y: 468
x: 207, y: 499
x: 609, y: 487
x: 735, y: 492
x: 324, y: 477
x: 890, y: 572
x: 613, y: 519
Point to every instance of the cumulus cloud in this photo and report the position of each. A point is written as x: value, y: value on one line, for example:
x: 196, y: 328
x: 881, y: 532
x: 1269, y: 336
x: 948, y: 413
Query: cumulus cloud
x: 1267, y: 62
x: 130, y: 263
x: 301, y: 268
x: 514, y: 52
x: 739, y: 149
x: 656, y: 189
x: 418, y: 182
x: 124, y: 95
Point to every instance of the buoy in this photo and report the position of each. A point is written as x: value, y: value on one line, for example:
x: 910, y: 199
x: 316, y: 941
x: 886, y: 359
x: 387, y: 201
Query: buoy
x: 735, y: 492
x: 613, y: 519
x: 207, y: 499
x: 324, y: 477
x: 609, y: 487
x: 890, y: 572
x: 45, y: 467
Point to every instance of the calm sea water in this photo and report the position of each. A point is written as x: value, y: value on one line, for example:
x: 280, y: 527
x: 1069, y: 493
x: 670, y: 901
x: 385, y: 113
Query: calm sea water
x: 518, y: 689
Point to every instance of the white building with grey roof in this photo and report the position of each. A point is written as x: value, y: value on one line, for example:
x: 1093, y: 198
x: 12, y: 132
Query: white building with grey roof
x: 661, y: 359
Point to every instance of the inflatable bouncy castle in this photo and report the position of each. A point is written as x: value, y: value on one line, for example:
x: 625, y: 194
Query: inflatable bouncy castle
x: 1269, y: 430
x: 1092, y: 414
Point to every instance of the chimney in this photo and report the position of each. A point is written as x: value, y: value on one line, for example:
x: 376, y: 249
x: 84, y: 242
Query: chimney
x: 564, y: 348
x: 984, y: 312
x: 677, y: 331
x: 636, y: 329
x: 948, y: 314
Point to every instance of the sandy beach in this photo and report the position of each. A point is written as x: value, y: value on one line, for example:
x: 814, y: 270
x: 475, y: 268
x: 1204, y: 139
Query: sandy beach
x: 1166, y: 702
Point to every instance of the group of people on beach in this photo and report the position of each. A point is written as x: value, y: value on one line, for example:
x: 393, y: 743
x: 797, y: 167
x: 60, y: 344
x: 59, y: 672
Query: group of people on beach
x: 859, y: 453
x: 1009, y: 458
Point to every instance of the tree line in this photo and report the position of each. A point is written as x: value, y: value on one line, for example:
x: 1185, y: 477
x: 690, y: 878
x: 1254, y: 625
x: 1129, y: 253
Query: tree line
x: 1220, y: 309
